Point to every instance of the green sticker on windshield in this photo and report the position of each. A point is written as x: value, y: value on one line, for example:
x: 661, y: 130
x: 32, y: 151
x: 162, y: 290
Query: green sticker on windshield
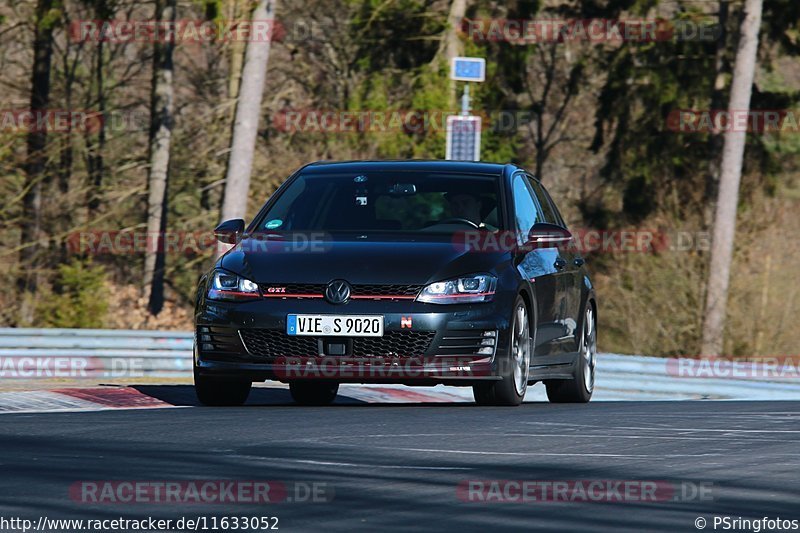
x: 273, y: 224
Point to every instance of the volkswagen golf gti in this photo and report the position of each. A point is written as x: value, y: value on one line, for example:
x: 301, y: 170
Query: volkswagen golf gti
x: 407, y: 272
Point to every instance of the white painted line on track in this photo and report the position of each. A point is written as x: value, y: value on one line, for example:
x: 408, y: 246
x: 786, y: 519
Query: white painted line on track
x: 356, y: 465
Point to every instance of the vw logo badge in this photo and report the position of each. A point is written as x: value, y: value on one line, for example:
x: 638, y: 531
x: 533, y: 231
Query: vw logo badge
x: 337, y: 291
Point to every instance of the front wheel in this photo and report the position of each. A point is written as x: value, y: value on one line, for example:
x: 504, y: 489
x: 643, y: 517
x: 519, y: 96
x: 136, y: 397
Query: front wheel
x: 514, y: 368
x: 313, y: 393
x: 220, y: 392
x: 579, y: 389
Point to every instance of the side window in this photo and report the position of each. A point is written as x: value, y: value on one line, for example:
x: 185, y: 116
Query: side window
x: 526, y: 212
x: 551, y: 214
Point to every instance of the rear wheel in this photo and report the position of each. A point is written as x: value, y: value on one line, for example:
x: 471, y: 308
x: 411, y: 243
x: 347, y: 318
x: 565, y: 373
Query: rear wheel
x: 580, y: 388
x: 220, y: 392
x: 514, y: 368
x: 313, y: 393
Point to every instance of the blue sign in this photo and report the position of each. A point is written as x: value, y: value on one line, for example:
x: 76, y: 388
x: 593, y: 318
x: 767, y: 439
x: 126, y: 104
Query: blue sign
x: 468, y: 69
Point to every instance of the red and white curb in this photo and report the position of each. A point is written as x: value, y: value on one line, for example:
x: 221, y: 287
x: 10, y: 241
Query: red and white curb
x: 87, y: 399
x: 104, y: 398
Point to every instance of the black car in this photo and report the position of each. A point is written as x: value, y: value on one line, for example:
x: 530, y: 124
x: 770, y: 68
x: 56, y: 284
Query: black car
x: 412, y: 272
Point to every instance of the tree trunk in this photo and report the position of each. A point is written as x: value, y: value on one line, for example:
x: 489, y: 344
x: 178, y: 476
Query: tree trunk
x: 715, y: 139
x: 96, y: 146
x: 236, y: 11
x: 35, y: 171
x: 730, y: 176
x: 237, y: 50
x: 248, y: 109
x: 451, y: 45
x: 161, y: 121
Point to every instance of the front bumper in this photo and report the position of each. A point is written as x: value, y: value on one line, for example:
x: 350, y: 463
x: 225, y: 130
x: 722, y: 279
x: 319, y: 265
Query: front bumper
x: 423, y: 343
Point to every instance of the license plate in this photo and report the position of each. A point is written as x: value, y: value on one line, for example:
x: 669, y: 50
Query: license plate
x: 335, y: 325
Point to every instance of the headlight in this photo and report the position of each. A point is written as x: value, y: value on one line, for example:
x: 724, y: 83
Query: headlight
x: 469, y: 289
x: 227, y: 286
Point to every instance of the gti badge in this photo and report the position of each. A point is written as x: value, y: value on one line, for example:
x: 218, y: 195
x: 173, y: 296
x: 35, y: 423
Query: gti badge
x: 337, y: 291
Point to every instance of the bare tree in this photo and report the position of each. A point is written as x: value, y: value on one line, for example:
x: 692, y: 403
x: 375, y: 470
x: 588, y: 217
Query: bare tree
x: 451, y: 44
x: 237, y: 12
x: 730, y: 176
x: 35, y: 171
x: 248, y: 109
x: 96, y: 145
x: 552, y: 81
x: 161, y: 122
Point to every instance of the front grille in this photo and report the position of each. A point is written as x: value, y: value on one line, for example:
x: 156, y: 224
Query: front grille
x: 394, y: 344
x: 467, y: 343
x: 299, y: 290
x: 386, y: 290
x: 276, y: 343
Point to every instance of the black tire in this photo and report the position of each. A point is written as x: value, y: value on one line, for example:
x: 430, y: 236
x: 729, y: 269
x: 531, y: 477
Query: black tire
x: 579, y: 389
x: 313, y: 392
x: 219, y: 392
x: 510, y: 390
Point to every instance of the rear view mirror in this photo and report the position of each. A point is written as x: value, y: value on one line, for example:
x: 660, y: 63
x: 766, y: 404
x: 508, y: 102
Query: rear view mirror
x: 545, y: 235
x: 229, y: 231
x: 403, y: 189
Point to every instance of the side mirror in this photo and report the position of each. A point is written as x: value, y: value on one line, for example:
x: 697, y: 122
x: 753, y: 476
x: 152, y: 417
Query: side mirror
x: 545, y: 235
x: 229, y: 231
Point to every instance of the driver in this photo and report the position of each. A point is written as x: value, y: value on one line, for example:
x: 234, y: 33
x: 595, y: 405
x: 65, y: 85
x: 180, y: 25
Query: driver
x: 465, y: 205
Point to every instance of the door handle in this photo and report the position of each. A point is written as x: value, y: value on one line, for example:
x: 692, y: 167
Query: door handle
x: 560, y: 264
x: 579, y: 261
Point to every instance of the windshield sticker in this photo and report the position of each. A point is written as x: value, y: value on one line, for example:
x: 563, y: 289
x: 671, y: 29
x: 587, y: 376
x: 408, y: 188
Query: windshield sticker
x: 274, y: 224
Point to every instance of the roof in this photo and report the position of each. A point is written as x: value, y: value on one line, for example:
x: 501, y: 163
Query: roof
x: 467, y: 167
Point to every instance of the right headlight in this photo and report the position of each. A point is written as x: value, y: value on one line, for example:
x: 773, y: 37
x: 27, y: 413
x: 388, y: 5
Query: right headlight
x: 227, y: 286
x: 467, y: 289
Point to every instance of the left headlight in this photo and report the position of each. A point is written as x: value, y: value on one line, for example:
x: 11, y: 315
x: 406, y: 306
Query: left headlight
x: 227, y: 286
x: 467, y: 289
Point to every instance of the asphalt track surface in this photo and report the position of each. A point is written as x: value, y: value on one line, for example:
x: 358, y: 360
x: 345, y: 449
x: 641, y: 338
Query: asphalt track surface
x: 398, y: 466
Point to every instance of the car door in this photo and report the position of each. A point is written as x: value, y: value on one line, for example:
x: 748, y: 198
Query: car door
x: 568, y: 264
x: 537, y: 265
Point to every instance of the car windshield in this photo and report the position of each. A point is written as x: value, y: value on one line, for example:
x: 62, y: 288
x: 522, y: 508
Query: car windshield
x: 402, y: 201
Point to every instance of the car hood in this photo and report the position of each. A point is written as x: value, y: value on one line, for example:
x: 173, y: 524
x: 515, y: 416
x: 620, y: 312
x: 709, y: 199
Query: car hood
x: 366, y: 260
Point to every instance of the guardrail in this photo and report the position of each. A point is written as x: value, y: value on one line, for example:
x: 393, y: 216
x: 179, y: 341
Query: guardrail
x: 169, y: 354
x: 106, y: 351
